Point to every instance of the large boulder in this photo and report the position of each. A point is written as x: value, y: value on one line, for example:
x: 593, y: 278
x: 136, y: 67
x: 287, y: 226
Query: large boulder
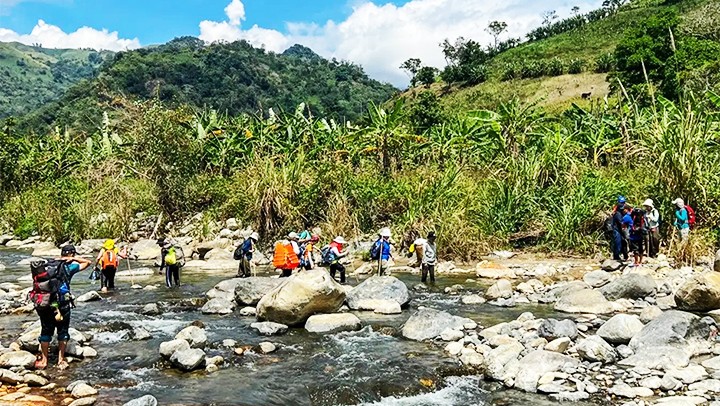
x: 597, y: 279
x: 701, y: 293
x: 427, y: 324
x: 249, y: 291
x: 332, y: 323
x: 595, y: 349
x: 218, y: 306
x: 193, y: 335
x: 583, y: 301
x: 188, y: 360
x: 168, y: 348
x: 499, y: 361
x: 224, y: 290
x: 300, y: 296
x: 375, y: 290
x: 716, y: 264
x: 22, y: 359
x: 620, y: 328
x: 145, y: 250
x: 630, y: 286
x: 45, y: 249
x: 674, y: 329
x: 501, y: 289
x: 538, y: 363
x: 552, y: 329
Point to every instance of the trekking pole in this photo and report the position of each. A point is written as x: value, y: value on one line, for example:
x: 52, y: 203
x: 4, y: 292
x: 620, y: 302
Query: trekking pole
x: 132, y: 277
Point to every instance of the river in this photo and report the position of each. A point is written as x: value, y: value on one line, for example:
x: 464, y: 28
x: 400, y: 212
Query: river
x: 364, y: 367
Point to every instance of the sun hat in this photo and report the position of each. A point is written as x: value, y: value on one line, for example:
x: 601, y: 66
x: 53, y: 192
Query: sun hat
x: 385, y: 232
x: 649, y: 203
x: 340, y: 240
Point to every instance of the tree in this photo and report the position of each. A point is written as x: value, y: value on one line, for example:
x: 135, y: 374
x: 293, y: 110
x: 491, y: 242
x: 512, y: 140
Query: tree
x: 576, y: 11
x: 412, y: 66
x: 548, y: 17
x: 496, y: 28
x: 425, y: 76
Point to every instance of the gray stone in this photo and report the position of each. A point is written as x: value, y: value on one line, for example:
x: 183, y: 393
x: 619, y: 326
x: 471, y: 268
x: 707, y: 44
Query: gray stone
x: 300, y: 296
x: 269, y: 328
x: 620, y: 328
x: 671, y: 329
x: 657, y: 358
x: 88, y: 401
x: 472, y: 299
x: 451, y: 335
x: 249, y: 291
x: 90, y: 296
x: 387, y: 307
x: 168, y: 348
x: 552, y: 329
x: 536, y: 364
x: 597, y: 279
x: 194, y: 335
x: 595, y: 349
x: 709, y: 385
x: 13, y: 359
x: 583, y: 301
x: 569, y: 396
x: 558, y: 345
x: 502, y: 289
x: 611, y: 265
x: 365, y: 295
x: 224, y: 289
x: 626, y: 391
x: 150, y: 309
x: 35, y: 380
x: 700, y: 293
x: 471, y: 358
x: 188, y: 360
x: 630, y: 286
x: 83, y: 390
x: 712, y: 363
x: 267, y: 347
x: 688, y: 375
x: 650, y: 313
x: 10, y: 377
x: 218, y: 306
x: 498, y: 359
x: 682, y: 401
x: 248, y: 311
x: 145, y: 250
x: 147, y: 400
x: 669, y: 383
x: 427, y: 324
x: 332, y: 323
x: 651, y: 382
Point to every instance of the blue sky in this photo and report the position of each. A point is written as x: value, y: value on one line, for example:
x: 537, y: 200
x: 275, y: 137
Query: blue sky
x: 376, y: 34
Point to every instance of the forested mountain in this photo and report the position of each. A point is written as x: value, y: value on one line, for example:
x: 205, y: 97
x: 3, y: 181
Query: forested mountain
x: 31, y: 76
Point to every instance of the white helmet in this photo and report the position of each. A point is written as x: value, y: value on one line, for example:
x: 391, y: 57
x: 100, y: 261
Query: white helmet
x: 384, y: 232
x: 255, y: 236
x: 293, y: 236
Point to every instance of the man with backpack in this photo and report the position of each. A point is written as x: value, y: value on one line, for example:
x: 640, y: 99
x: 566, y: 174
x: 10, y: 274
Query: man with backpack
x: 53, y: 301
x: 307, y: 261
x: 108, y: 260
x: 684, y: 218
x: 334, y: 254
x: 380, y: 251
x: 616, y: 226
x: 638, y: 232
x: 172, y: 259
x: 244, y: 253
x: 652, y: 223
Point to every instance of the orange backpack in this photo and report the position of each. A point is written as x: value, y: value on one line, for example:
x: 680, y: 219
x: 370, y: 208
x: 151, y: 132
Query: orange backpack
x: 284, y: 256
x: 109, y: 258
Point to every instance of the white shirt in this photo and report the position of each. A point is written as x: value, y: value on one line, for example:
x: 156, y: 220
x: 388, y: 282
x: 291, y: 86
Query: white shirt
x: 429, y: 253
x: 295, y: 247
x: 652, y: 218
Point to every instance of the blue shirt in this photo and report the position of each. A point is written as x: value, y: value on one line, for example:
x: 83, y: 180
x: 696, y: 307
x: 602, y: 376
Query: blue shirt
x: 70, y: 271
x: 681, y: 219
x: 247, y: 249
x: 385, y: 255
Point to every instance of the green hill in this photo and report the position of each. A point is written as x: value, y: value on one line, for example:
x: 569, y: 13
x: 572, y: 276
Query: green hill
x: 32, y: 76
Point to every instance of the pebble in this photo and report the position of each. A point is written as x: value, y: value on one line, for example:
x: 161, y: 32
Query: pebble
x: 267, y: 347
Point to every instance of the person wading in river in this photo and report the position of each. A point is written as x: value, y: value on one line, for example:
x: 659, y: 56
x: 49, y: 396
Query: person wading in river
x: 171, y: 260
x: 53, y: 301
x: 108, y: 260
x: 244, y: 253
x: 429, y: 258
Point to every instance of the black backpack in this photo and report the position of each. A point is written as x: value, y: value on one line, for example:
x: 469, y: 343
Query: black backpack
x: 48, y: 277
x: 376, y: 250
x: 239, y: 252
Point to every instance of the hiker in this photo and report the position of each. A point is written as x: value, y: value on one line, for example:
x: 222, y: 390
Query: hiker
x: 337, y: 252
x: 617, y: 230
x: 286, y: 257
x: 171, y: 260
x: 244, y: 253
x: 307, y: 261
x: 638, y: 234
x: 429, y: 258
x: 108, y: 260
x: 683, y: 218
x: 305, y: 236
x: 53, y: 307
x: 627, y: 225
x: 380, y: 251
x: 652, y: 223
x: 417, y: 248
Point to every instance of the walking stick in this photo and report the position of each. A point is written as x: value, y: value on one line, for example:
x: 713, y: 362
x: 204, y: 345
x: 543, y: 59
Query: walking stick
x: 132, y: 276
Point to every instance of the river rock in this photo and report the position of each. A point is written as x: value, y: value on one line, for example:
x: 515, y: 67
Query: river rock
x: 472, y: 299
x: 427, y: 324
x: 558, y: 345
x: 620, y: 328
x: 365, y: 295
x: 387, y: 307
x: 630, y: 286
x: 9, y: 377
x: 498, y: 359
x: 35, y: 380
x: 194, y: 335
x: 708, y: 385
x: 688, y: 375
x: 46, y: 249
x: 682, y: 401
x: 611, y: 265
x: 249, y: 291
x: 672, y: 328
x: 82, y: 390
x: 269, y: 328
x: 595, y: 349
x: 168, y: 348
x: 597, y: 279
x: 188, y: 360
x: 551, y: 329
x: 501, y: 289
x: 332, y: 323
x: 90, y: 296
x: 649, y: 314
x: 471, y: 358
x: 536, y: 364
x: 493, y: 270
x: 626, y: 391
x: 300, y: 296
x: 150, y: 309
x: 701, y: 293
x: 147, y: 400
x: 267, y: 347
x: 218, y: 306
x: 22, y: 359
x: 224, y: 290
x: 87, y: 401
x: 145, y: 250
x: 584, y: 301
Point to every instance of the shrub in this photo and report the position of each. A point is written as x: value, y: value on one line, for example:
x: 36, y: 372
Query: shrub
x: 605, y: 63
x: 576, y: 66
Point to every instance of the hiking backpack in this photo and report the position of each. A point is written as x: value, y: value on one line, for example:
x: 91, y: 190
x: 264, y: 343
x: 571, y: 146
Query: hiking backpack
x: 376, y: 250
x: 326, y: 256
x: 109, y: 259
x: 691, y: 216
x: 638, y: 217
x: 239, y: 252
x: 48, y: 277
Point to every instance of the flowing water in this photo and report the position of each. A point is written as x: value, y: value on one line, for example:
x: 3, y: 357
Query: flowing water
x: 363, y: 367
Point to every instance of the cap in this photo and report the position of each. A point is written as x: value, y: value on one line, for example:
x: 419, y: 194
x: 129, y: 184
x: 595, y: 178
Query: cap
x: 68, y: 249
x: 161, y: 242
x: 255, y: 236
x: 649, y: 203
x: 109, y: 244
x: 431, y: 234
x: 385, y: 232
x: 621, y: 199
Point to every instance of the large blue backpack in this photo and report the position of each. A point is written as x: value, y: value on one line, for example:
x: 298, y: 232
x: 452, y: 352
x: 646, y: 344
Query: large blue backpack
x: 376, y: 250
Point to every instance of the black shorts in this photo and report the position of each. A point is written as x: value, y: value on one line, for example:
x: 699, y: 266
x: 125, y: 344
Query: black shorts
x: 636, y: 246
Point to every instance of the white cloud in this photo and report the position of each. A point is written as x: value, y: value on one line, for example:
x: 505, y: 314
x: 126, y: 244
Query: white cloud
x: 381, y: 36
x: 52, y: 36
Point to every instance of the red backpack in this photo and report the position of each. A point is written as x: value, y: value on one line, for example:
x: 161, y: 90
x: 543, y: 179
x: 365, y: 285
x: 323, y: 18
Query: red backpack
x: 691, y: 216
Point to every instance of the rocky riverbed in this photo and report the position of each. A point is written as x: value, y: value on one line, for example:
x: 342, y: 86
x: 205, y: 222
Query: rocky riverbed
x: 508, y: 330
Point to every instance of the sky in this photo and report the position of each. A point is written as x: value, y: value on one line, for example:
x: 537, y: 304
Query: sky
x: 376, y: 34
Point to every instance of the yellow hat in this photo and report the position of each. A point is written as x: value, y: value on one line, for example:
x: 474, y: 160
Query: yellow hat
x: 109, y: 244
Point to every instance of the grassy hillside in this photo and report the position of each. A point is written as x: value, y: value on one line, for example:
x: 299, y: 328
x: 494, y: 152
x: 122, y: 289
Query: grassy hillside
x: 33, y: 76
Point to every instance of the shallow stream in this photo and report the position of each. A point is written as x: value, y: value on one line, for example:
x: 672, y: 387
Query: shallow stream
x: 364, y: 367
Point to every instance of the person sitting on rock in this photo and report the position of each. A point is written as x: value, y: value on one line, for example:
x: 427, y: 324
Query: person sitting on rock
x: 337, y: 252
x: 57, y: 316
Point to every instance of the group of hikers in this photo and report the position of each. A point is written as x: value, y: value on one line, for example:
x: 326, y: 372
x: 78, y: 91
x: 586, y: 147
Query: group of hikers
x: 637, y: 230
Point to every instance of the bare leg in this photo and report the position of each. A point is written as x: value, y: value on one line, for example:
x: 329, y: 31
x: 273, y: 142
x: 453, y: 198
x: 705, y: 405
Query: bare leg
x: 42, y: 362
x: 62, y: 362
